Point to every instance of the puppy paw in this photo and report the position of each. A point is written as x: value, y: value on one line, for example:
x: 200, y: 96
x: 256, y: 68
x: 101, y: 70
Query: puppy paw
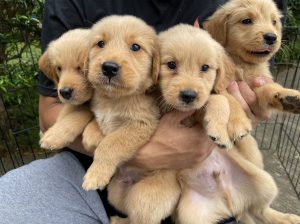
x: 52, y: 141
x: 290, y: 219
x: 239, y: 129
x: 219, y: 135
x: 91, y: 136
x: 91, y: 141
x: 95, y: 178
x: 289, y: 100
x: 119, y: 220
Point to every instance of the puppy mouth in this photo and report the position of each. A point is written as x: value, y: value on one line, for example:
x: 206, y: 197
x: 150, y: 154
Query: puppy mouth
x: 111, y: 82
x: 261, y: 52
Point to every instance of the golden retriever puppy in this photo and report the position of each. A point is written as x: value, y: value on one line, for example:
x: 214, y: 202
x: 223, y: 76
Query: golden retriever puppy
x: 250, y: 31
x: 225, y: 184
x: 64, y: 63
x: 123, y: 64
x: 184, y: 67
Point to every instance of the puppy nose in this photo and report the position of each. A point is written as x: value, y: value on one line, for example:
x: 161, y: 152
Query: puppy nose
x: 188, y: 96
x: 66, y: 92
x: 110, y: 69
x: 270, y: 38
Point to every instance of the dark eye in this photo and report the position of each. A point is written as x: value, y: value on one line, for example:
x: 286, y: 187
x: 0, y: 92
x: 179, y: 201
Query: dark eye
x: 101, y: 44
x: 78, y: 68
x: 171, y: 65
x: 204, y: 68
x: 274, y: 22
x: 58, y: 68
x: 135, y: 47
x: 247, y: 21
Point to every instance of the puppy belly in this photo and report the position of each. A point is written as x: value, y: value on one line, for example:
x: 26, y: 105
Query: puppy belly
x: 212, y: 190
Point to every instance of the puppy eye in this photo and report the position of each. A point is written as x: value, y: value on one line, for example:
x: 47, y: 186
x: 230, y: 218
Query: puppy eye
x: 101, y: 44
x: 171, y: 65
x: 204, y: 68
x: 58, y: 68
x: 78, y: 68
x: 135, y: 47
x: 274, y: 22
x: 247, y: 21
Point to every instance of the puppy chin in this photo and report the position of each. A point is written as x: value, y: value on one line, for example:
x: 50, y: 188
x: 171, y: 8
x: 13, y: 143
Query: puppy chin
x: 74, y: 100
x: 258, y: 55
x: 181, y: 106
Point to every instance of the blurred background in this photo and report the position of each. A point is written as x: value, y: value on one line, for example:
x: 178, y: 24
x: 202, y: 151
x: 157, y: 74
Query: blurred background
x: 20, y: 27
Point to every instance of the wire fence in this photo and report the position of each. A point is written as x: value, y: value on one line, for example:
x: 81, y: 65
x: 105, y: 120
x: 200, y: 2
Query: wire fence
x: 282, y: 132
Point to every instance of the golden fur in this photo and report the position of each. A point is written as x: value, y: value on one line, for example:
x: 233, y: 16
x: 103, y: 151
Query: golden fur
x: 126, y: 115
x: 223, y: 185
x: 64, y: 63
x: 248, y: 48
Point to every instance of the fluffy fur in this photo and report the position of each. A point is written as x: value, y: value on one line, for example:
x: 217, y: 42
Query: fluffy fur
x: 250, y: 31
x: 126, y: 115
x: 64, y: 62
x: 223, y: 185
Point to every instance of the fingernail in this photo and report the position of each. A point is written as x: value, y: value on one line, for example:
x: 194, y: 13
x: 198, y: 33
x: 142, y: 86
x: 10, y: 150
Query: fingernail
x: 233, y: 83
x: 261, y: 81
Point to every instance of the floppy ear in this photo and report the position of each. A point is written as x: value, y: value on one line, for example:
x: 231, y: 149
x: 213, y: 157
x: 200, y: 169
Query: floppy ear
x: 226, y: 73
x: 216, y: 25
x: 155, y: 63
x: 47, y: 68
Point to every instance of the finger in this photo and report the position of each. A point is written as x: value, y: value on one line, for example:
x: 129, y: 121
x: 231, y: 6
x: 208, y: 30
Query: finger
x: 234, y: 90
x: 260, y: 81
x: 248, y: 94
x: 178, y: 116
x: 250, y: 97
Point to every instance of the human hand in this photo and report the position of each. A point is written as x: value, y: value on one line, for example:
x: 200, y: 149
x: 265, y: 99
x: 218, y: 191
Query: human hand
x: 174, y: 146
x: 245, y: 95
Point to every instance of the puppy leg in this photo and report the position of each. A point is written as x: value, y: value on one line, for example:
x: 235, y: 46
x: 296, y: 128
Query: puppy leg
x: 271, y: 216
x: 239, y: 124
x: 274, y: 96
x: 119, y: 220
x: 248, y: 148
x: 69, y: 125
x: 216, y: 119
x: 115, y: 148
x: 260, y: 193
x: 247, y: 219
x: 92, y: 136
x: 153, y: 198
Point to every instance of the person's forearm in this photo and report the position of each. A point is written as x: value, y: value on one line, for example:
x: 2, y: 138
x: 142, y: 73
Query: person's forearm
x: 49, y: 109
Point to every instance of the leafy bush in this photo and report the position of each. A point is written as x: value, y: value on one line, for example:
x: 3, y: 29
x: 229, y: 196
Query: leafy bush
x: 19, y: 42
x: 290, y: 49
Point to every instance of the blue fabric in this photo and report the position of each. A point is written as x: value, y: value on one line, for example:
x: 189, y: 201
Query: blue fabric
x: 49, y: 191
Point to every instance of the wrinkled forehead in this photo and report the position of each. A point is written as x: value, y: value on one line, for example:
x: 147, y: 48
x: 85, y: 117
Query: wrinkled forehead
x: 123, y: 30
x: 188, y: 47
x: 67, y: 54
x: 263, y: 9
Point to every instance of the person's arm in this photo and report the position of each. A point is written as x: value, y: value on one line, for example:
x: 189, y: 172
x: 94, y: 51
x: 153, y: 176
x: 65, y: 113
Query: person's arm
x: 174, y: 146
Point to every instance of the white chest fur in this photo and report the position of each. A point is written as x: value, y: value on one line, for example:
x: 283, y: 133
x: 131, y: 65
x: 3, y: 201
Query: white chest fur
x: 114, y: 113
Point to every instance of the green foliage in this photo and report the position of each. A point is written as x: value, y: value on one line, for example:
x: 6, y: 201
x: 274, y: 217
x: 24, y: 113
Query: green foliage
x: 19, y: 42
x: 290, y: 49
x: 293, y: 13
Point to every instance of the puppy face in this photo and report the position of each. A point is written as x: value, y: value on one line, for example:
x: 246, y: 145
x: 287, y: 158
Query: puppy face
x: 124, y: 57
x: 192, y: 65
x: 248, y: 29
x: 64, y: 63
